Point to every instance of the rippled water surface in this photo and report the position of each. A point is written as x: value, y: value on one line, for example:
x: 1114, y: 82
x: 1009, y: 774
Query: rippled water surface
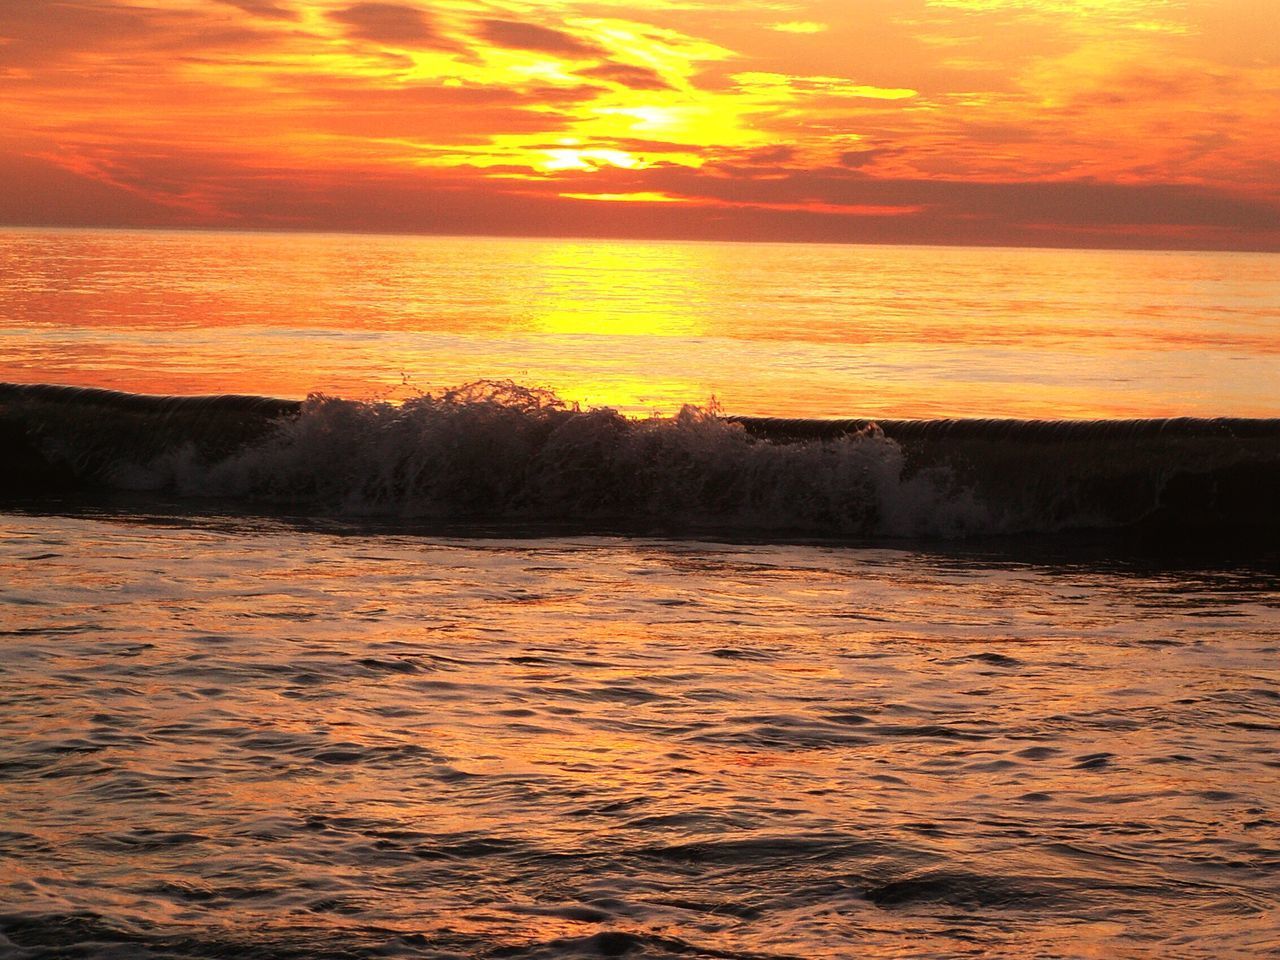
x: 242, y: 738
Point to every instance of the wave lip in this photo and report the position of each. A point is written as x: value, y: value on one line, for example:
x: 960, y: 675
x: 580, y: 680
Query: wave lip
x: 64, y: 437
x: 1181, y: 473
x: 500, y: 451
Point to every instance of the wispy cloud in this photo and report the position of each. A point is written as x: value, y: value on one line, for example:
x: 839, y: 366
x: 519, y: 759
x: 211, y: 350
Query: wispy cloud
x: 531, y: 36
x: 397, y: 24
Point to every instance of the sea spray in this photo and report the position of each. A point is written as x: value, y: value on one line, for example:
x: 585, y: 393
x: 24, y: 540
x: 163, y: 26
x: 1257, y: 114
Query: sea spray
x: 500, y: 451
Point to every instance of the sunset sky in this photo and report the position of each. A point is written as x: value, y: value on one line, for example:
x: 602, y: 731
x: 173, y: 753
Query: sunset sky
x: 1045, y: 122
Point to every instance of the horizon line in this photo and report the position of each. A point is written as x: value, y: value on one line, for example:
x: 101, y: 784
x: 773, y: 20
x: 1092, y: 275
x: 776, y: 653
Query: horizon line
x: 284, y: 230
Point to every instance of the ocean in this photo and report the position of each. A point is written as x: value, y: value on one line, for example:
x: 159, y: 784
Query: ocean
x: 463, y: 597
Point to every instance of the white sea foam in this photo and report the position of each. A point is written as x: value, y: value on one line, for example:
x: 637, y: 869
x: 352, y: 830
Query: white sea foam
x: 498, y: 450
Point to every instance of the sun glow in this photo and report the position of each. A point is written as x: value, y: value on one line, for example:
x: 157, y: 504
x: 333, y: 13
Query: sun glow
x: 573, y: 158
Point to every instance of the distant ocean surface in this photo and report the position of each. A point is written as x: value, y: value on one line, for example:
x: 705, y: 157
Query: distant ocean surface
x: 450, y: 649
x: 770, y: 329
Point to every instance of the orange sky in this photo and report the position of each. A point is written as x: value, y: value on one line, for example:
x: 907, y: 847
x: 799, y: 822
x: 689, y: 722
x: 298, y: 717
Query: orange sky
x: 1076, y: 122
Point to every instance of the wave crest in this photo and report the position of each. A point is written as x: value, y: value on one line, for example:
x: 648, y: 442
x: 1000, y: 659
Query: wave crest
x: 501, y: 451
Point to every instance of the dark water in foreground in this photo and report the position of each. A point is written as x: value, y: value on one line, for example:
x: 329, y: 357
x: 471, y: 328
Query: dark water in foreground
x: 239, y: 738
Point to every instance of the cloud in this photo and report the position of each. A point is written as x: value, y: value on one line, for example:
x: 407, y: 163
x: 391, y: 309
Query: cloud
x: 36, y: 33
x: 1070, y: 203
x: 392, y: 23
x: 783, y: 85
x: 753, y: 162
x: 528, y: 36
x: 444, y: 116
x: 799, y: 26
x: 187, y: 187
x: 639, y: 146
x: 262, y: 8
x: 855, y: 159
x: 628, y: 75
x: 42, y: 192
x: 42, y: 35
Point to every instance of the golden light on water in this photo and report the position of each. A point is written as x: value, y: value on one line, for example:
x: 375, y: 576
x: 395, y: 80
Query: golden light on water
x: 595, y: 289
x: 799, y: 330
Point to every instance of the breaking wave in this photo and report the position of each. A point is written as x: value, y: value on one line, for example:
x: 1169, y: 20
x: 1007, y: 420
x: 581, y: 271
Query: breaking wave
x: 497, y: 451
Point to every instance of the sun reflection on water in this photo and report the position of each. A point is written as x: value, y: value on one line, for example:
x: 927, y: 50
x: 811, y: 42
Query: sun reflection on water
x: 618, y: 290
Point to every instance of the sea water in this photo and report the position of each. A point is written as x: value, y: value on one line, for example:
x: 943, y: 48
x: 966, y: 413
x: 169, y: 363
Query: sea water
x: 771, y: 329
x: 471, y: 673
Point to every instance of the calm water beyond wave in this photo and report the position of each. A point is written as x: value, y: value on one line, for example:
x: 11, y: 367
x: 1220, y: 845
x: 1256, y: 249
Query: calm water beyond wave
x: 483, y: 677
x: 769, y: 329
